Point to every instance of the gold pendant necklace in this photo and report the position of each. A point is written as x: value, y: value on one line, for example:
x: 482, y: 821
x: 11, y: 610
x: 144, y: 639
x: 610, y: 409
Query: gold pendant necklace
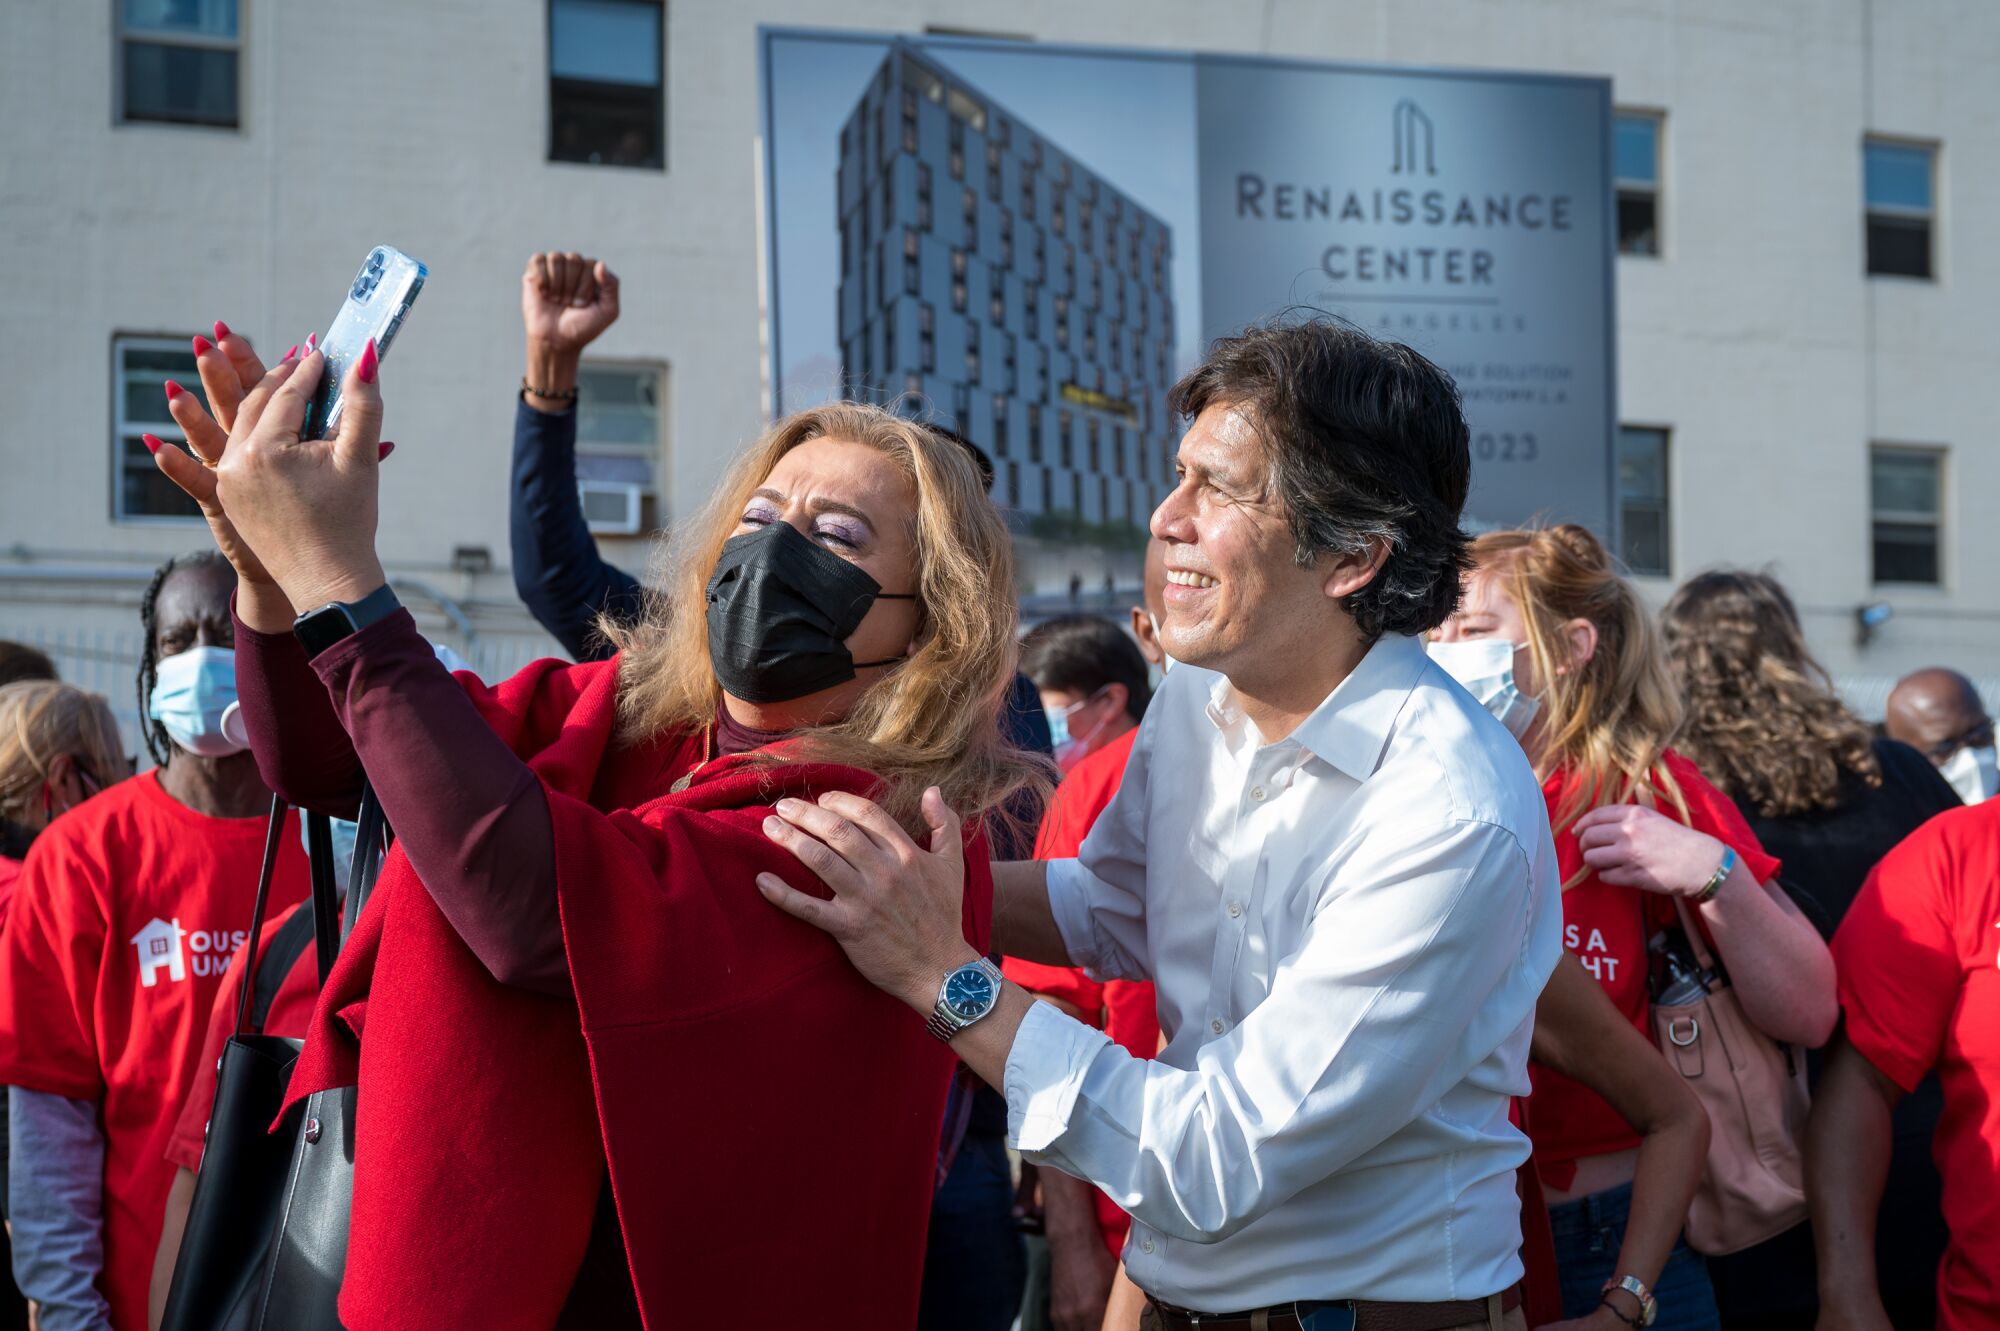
x: 687, y: 778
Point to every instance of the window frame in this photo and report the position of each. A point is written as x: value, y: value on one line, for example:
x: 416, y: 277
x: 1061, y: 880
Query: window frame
x: 655, y: 453
x: 1653, y: 191
x: 659, y: 90
x: 1939, y: 457
x: 163, y: 428
x: 120, y: 34
x: 1665, y: 502
x: 1934, y: 150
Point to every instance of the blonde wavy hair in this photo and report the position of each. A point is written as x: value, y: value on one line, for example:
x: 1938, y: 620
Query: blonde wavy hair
x: 1608, y: 720
x: 41, y: 719
x: 1763, y: 720
x: 933, y: 719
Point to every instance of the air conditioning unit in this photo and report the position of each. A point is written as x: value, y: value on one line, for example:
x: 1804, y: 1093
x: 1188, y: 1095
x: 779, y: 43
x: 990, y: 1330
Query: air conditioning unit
x: 612, y: 508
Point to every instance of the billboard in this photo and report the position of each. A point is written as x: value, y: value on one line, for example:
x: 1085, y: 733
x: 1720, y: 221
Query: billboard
x: 1031, y: 243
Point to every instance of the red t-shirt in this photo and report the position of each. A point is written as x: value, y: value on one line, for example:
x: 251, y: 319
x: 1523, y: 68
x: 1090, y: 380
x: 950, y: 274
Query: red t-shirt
x: 1918, y: 956
x: 1607, y: 928
x: 1122, y: 1009
x: 125, y: 918
x: 290, y: 1014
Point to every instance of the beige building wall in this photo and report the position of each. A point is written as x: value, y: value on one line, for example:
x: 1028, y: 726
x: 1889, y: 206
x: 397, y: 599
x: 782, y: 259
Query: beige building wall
x: 1755, y: 338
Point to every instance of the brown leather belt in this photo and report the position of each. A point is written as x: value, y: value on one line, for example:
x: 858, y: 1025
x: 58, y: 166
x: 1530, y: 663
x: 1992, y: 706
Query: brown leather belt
x: 1368, y: 1316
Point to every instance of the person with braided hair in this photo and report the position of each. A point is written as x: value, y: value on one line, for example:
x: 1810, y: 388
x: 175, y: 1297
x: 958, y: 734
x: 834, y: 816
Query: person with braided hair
x: 126, y: 914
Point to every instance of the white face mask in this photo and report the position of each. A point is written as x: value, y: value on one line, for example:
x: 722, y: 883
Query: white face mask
x: 1973, y: 773
x: 1486, y: 668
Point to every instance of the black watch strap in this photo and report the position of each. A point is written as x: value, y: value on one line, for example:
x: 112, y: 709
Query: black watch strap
x: 320, y: 628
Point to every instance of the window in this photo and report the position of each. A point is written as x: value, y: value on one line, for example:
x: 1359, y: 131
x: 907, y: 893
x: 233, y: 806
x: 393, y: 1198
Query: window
x: 957, y: 162
x: 923, y: 196
x: 1635, y: 139
x: 1090, y: 445
x: 972, y: 352
x: 912, y: 277
x: 1642, y: 500
x: 1013, y: 485
x: 889, y: 337
x: 1035, y: 434
x: 926, y: 339
x: 996, y: 292
x: 1065, y: 446
x: 1906, y: 488
x: 958, y: 291
x: 909, y: 120
x: 1006, y: 239
x: 606, y: 103
x: 178, y: 62
x: 139, y: 365
x: 1010, y: 364
x: 993, y: 172
x: 961, y: 408
x: 1031, y: 308
x: 1000, y: 425
x: 618, y: 443
x: 1900, y: 182
x: 971, y: 209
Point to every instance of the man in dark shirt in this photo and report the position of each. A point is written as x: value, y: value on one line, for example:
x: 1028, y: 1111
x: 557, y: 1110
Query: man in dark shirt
x: 974, y: 1264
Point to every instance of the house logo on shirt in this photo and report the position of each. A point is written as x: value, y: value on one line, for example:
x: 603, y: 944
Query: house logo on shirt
x: 159, y: 945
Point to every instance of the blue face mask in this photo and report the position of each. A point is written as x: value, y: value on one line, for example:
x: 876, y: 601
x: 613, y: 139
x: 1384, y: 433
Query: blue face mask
x: 344, y: 834
x: 1058, y: 726
x: 190, y: 697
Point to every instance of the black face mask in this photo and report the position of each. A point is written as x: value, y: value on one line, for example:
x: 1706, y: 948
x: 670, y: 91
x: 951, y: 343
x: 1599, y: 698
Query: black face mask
x: 780, y: 610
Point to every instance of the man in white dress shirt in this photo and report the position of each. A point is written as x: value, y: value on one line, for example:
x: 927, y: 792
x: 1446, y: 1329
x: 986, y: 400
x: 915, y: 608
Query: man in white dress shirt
x: 1333, y: 864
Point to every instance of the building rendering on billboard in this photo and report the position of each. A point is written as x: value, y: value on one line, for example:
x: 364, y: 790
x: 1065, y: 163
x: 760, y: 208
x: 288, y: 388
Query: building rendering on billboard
x: 990, y: 278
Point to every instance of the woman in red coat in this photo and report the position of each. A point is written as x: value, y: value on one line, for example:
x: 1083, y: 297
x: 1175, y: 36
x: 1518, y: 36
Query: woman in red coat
x: 600, y: 1081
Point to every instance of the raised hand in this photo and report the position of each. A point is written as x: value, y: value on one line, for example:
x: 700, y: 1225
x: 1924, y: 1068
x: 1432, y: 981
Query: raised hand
x: 229, y: 369
x: 307, y: 508
x: 567, y: 300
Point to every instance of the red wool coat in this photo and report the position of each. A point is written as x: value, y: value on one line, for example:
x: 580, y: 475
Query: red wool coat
x: 770, y: 1119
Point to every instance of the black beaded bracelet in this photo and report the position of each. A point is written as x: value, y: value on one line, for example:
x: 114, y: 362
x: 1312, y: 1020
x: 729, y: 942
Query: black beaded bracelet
x: 1604, y: 1301
x: 550, y: 394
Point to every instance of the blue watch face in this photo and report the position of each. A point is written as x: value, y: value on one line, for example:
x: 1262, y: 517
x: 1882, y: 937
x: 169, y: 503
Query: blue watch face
x: 969, y: 992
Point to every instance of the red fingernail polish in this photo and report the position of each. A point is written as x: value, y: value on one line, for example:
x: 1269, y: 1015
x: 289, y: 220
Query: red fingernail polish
x: 153, y: 445
x: 293, y: 352
x: 221, y: 330
x: 366, y: 366
x: 200, y: 344
x: 174, y: 390
x: 384, y: 449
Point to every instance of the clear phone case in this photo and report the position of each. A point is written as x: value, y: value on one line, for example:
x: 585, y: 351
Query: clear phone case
x: 381, y: 294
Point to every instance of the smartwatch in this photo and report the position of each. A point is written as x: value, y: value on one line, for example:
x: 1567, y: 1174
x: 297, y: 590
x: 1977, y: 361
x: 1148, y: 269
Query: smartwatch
x: 319, y: 629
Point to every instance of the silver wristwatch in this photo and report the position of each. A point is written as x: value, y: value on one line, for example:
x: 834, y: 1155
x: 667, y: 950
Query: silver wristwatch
x: 967, y: 994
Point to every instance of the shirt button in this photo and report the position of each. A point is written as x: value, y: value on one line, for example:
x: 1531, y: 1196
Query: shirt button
x: 1235, y: 909
x: 1145, y: 1245
x: 1256, y: 792
x: 1215, y: 1026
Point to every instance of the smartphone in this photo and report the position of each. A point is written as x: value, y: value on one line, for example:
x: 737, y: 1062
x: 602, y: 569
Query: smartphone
x: 380, y: 296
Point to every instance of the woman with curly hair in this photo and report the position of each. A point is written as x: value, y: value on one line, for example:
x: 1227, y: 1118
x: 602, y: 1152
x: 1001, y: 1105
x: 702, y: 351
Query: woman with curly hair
x: 1829, y: 799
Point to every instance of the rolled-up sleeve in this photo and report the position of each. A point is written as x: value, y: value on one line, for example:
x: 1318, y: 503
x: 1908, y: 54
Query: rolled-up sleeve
x: 1420, y: 959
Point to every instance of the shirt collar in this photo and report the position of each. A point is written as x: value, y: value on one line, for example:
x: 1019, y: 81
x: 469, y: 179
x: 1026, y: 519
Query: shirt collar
x: 1350, y: 728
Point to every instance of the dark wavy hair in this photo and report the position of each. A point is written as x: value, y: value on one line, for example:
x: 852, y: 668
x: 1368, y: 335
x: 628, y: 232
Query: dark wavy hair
x: 1763, y: 722
x: 1081, y: 654
x: 1367, y: 443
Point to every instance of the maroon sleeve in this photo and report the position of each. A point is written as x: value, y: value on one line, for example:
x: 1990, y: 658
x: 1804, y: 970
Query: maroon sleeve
x: 469, y: 813
x: 302, y: 751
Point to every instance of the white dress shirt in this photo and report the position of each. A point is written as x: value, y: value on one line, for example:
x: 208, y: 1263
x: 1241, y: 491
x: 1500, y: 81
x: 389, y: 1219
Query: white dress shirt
x: 1347, y: 931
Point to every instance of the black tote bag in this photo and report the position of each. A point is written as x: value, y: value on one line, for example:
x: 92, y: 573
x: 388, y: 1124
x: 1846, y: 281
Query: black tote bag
x: 237, y: 1223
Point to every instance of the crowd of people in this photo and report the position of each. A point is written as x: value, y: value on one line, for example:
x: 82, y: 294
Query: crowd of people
x: 1382, y: 928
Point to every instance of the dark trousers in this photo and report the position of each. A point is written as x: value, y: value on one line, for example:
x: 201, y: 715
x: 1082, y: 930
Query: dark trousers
x: 974, y: 1263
